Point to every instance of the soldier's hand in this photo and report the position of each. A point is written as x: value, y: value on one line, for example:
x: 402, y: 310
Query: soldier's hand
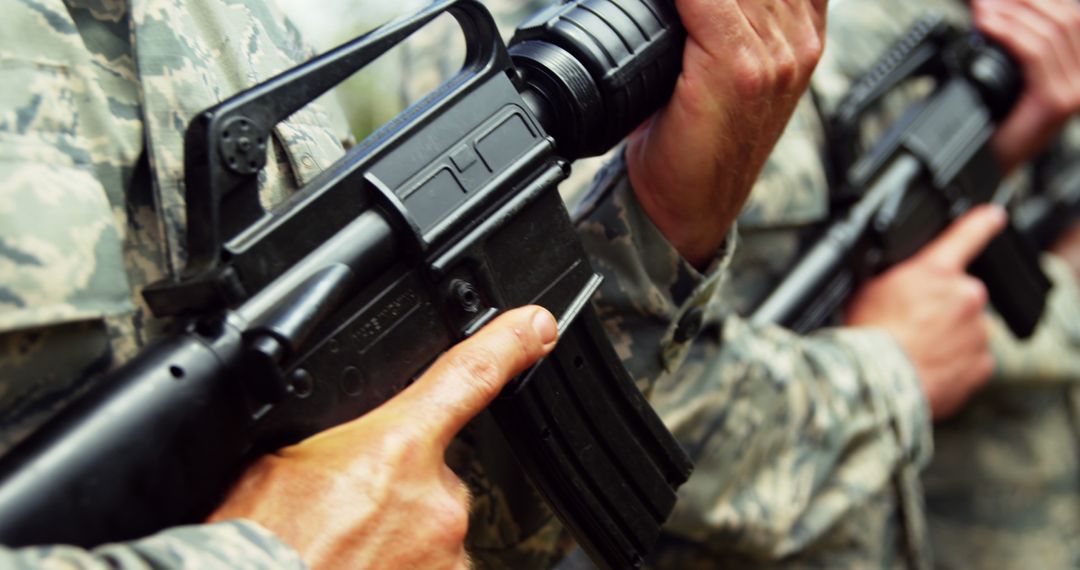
x: 935, y: 311
x: 376, y: 492
x: 746, y: 64
x: 1044, y: 37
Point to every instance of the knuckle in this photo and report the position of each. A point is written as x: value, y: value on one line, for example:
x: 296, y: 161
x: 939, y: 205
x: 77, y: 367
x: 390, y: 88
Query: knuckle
x: 1061, y: 102
x: 1061, y: 23
x: 1072, y: 22
x: 449, y: 518
x: 477, y: 365
x: 786, y: 70
x: 750, y: 78
x: 400, y: 447
x: 812, y: 50
x: 974, y: 294
x: 1052, y: 100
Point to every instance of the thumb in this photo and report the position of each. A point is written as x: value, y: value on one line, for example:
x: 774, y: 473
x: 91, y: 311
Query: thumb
x: 966, y: 237
x: 465, y: 379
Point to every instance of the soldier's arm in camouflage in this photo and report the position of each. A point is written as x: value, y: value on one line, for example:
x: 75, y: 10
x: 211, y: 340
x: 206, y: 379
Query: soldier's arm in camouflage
x: 229, y: 545
x: 789, y: 434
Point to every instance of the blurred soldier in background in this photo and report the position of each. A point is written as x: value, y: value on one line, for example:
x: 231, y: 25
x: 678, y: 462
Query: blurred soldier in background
x: 92, y: 138
x: 808, y: 450
x: 1003, y: 490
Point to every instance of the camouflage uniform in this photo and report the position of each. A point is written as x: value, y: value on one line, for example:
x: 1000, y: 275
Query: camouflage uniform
x: 233, y: 545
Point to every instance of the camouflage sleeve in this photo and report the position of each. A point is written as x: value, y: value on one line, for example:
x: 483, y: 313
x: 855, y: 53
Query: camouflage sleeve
x: 645, y: 278
x: 232, y: 545
x: 790, y: 434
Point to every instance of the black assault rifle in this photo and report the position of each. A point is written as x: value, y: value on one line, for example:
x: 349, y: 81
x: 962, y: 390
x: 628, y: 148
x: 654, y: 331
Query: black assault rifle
x: 929, y: 168
x: 315, y: 312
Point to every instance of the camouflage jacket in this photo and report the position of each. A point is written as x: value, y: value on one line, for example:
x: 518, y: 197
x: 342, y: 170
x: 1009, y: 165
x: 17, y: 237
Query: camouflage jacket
x: 232, y: 545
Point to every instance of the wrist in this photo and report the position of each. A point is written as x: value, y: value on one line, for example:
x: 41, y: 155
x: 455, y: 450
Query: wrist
x: 1024, y: 134
x: 696, y: 231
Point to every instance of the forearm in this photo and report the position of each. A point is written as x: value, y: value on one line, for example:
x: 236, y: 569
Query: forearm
x: 226, y: 546
x: 654, y: 296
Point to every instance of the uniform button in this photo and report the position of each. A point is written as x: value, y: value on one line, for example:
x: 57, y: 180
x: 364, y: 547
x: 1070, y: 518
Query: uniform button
x: 689, y: 325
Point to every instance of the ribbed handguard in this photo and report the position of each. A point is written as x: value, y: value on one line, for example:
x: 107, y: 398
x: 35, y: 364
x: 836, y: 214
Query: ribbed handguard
x: 600, y: 68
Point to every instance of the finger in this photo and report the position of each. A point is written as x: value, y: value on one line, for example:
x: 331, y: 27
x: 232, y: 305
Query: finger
x: 780, y: 28
x: 803, y: 29
x: 964, y: 297
x: 455, y: 487
x: 810, y: 43
x: 1069, y: 17
x: 821, y: 8
x: 994, y: 20
x: 966, y: 238
x: 971, y: 297
x: 469, y: 376
x: 1030, y: 36
x: 463, y: 561
x: 706, y: 21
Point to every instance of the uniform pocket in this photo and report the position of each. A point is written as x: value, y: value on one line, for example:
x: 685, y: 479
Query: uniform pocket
x: 61, y: 258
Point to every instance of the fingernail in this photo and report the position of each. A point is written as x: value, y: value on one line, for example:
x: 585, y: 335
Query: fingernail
x: 545, y: 326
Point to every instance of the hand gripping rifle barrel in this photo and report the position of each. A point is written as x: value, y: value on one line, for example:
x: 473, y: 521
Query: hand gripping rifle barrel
x: 298, y: 318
